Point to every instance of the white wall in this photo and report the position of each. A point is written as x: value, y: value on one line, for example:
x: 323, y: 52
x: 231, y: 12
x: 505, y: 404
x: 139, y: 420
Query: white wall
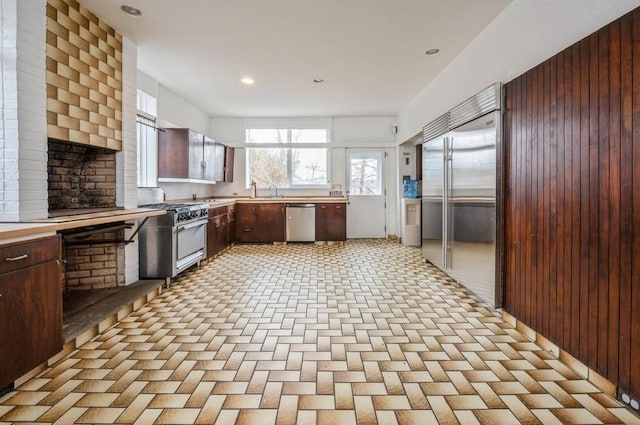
x: 32, y: 107
x: 126, y: 160
x: 229, y: 131
x: 23, y: 134
x: 363, y: 131
x: 147, y: 84
x: 9, y: 173
x: 526, y: 33
x: 174, y: 111
x: 346, y: 132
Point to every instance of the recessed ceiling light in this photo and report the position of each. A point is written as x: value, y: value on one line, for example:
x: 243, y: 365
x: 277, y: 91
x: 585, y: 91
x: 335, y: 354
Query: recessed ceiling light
x: 432, y: 51
x: 130, y: 10
x: 247, y: 80
x: 318, y: 80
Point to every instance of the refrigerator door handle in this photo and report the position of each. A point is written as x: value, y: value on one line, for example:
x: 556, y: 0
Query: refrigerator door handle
x: 449, y: 202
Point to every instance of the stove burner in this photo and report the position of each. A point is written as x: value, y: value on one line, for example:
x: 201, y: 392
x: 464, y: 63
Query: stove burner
x: 181, y: 213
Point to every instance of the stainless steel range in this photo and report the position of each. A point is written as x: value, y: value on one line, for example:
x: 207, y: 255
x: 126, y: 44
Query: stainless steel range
x: 171, y: 243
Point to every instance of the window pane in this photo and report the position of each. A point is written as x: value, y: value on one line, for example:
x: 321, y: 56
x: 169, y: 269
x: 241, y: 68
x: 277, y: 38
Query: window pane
x: 147, y: 103
x: 142, y: 154
x: 147, y: 156
x: 266, y: 135
x: 267, y: 166
x: 309, y: 136
x: 366, y: 178
x: 309, y: 166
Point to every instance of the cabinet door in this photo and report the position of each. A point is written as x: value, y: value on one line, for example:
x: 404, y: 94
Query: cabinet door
x: 196, y: 155
x: 271, y: 222
x: 222, y: 233
x: 31, y: 317
x: 173, y: 153
x: 211, y: 235
x: 232, y: 224
x: 331, y: 222
x: 209, y: 159
x: 337, y: 222
x: 245, y: 222
x: 229, y: 153
x: 218, y: 172
x: 322, y: 215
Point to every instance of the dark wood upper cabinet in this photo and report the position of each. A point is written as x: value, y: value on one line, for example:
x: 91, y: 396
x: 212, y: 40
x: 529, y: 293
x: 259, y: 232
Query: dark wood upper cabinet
x: 185, y: 154
x: 209, y: 165
x: 219, y: 162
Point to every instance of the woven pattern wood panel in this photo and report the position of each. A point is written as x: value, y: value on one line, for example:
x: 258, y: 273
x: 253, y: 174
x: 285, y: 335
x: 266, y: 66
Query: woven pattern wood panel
x: 84, y: 77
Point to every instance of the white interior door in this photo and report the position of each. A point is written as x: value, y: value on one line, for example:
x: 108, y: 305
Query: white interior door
x: 366, y: 209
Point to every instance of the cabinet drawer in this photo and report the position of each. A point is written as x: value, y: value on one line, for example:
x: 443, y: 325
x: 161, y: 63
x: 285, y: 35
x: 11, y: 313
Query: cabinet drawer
x: 217, y: 211
x: 19, y: 255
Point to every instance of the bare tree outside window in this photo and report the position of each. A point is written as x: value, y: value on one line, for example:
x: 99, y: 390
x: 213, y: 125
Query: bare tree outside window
x: 309, y: 166
x: 365, y: 176
x: 279, y: 157
x: 268, y: 166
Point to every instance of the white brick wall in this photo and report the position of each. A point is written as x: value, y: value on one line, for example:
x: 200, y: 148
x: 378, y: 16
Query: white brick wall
x: 9, y: 188
x: 127, y: 193
x: 23, y: 133
x: 32, y: 108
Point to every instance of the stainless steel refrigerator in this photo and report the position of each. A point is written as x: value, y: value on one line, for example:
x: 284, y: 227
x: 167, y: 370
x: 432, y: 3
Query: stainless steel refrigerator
x: 459, y: 188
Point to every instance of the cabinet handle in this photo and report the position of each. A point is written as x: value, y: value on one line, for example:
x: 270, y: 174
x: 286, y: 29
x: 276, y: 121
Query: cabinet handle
x: 324, y: 207
x: 19, y: 257
x: 338, y: 207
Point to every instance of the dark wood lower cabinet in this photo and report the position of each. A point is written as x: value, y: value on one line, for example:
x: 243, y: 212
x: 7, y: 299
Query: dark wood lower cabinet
x: 213, y: 228
x: 231, y: 225
x: 331, y: 222
x: 266, y: 222
x: 261, y: 223
x: 30, y: 306
x: 219, y: 229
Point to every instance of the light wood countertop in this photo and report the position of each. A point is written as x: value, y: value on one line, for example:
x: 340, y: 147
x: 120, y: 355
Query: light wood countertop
x: 222, y: 201
x: 294, y: 199
x: 48, y: 225
x: 218, y: 202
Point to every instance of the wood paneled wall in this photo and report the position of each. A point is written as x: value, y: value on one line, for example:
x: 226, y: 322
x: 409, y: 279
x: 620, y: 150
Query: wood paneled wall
x: 572, y: 213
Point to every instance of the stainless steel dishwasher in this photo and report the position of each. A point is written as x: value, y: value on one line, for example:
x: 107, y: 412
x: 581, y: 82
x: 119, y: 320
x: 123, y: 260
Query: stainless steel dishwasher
x: 301, y: 222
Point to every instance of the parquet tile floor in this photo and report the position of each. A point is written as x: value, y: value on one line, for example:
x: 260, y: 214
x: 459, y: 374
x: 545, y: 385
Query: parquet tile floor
x: 362, y: 333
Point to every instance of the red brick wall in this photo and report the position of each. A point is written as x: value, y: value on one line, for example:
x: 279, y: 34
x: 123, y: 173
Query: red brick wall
x: 80, y: 176
x: 94, y: 264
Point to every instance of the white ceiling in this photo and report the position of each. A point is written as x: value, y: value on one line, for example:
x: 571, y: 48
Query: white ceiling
x: 371, y: 53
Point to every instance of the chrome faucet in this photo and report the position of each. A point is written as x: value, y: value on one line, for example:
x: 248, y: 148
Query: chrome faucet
x: 276, y: 189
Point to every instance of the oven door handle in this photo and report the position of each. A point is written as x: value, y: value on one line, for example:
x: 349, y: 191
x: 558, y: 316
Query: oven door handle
x: 192, y: 225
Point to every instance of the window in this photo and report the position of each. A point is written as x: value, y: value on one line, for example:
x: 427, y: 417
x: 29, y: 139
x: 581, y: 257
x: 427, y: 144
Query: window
x: 366, y: 173
x: 287, y: 157
x: 147, y: 141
